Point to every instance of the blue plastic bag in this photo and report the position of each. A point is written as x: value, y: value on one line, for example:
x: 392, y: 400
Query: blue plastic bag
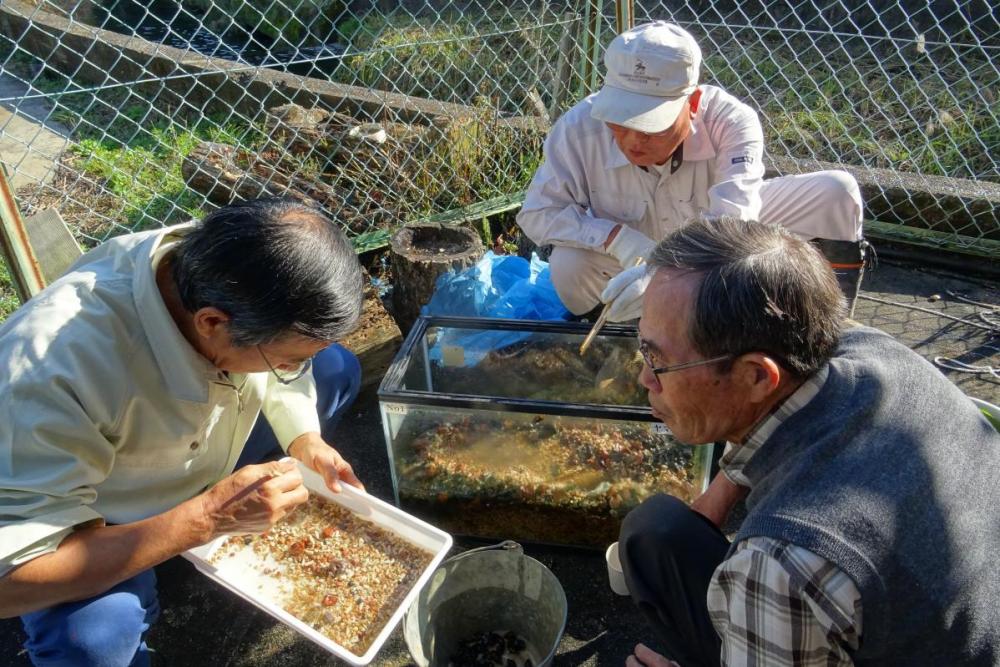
x: 504, y: 286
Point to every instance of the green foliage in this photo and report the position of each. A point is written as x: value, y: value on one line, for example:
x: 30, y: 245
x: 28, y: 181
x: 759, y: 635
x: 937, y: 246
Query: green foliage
x: 304, y: 23
x: 991, y: 419
x: 450, y: 58
x: 133, y: 151
x: 921, y: 116
x: 924, y: 116
x: 477, y: 157
x: 8, y: 297
x: 139, y: 163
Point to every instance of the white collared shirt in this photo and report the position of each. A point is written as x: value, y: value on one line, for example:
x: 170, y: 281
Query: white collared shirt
x: 107, y: 412
x: 586, y: 185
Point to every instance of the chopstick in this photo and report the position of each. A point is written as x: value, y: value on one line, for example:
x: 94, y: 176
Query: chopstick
x: 601, y: 319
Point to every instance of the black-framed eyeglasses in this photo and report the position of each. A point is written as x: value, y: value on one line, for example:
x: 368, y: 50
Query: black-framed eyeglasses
x: 286, y: 379
x: 659, y: 370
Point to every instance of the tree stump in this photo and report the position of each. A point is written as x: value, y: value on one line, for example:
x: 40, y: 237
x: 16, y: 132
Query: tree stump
x: 420, y: 253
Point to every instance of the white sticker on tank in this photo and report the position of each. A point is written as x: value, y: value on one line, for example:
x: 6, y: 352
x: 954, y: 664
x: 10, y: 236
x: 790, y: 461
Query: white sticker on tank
x: 452, y: 355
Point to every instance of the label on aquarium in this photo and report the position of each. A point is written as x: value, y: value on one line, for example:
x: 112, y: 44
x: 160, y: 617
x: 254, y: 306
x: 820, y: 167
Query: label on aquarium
x: 659, y: 428
x: 453, y: 355
x: 396, y: 409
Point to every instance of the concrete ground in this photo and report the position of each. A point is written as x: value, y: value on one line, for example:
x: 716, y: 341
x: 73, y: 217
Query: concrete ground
x: 27, y: 123
x: 203, y: 624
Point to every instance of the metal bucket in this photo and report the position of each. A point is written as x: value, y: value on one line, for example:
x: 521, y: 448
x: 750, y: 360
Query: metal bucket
x: 490, y: 589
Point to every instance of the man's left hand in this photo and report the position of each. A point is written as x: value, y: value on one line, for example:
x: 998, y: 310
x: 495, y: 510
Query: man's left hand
x: 624, y: 293
x: 719, y: 499
x: 643, y: 656
x: 311, y: 449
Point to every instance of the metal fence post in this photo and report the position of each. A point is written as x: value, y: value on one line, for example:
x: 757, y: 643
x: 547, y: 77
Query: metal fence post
x: 624, y: 15
x: 15, y: 248
x: 564, y: 70
x: 590, y: 46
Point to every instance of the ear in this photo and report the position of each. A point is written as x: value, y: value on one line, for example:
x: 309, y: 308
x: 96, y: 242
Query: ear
x: 760, y: 376
x: 210, y: 322
x: 694, y: 100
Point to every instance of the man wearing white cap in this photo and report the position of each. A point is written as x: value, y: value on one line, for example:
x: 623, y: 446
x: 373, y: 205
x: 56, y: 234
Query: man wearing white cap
x: 652, y: 150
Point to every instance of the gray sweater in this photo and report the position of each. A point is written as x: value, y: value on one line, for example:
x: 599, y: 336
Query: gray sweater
x: 891, y: 473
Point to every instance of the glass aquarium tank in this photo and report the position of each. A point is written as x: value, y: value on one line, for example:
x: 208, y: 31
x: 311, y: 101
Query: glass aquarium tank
x: 501, y: 429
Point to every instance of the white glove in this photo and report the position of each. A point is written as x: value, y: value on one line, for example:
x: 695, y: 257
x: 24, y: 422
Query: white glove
x: 629, y: 246
x: 624, y: 293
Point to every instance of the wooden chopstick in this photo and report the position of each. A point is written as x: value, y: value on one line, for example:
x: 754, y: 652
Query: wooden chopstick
x: 601, y: 319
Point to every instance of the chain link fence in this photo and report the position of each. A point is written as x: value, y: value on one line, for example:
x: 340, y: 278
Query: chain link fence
x: 904, y: 94
x: 126, y: 114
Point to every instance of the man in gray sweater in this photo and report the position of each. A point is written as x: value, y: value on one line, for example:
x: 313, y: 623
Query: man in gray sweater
x: 872, y: 531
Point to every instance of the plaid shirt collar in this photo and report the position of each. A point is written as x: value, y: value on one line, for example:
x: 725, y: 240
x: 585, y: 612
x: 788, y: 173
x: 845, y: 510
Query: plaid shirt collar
x: 736, y: 456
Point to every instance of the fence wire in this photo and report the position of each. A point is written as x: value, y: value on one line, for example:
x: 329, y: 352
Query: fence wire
x: 125, y: 115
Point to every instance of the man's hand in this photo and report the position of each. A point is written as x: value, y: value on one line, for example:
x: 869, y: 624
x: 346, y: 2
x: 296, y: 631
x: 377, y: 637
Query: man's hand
x: 311, y: 449
x: 628, y: 245
x: 252, y: 499
x: 643, y: 656
x: 624, y: 293
x: 91, y: 560
x: 718, y: 500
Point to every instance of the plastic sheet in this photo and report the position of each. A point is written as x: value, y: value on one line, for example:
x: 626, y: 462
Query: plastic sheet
x: 502, y: 286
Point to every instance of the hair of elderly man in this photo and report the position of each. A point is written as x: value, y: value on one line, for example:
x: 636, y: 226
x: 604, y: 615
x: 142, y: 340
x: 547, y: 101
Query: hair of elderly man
x: 762, y: 290
x: 275, y: 267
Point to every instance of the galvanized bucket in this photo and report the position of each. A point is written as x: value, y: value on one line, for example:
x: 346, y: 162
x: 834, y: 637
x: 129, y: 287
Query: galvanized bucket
x: 494, y: 589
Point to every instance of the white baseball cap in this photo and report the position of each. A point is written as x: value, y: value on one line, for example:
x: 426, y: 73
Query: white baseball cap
x: 651, y: 71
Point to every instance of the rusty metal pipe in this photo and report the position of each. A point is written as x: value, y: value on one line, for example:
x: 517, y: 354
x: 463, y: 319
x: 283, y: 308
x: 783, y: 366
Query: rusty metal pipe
x: 25, y: 272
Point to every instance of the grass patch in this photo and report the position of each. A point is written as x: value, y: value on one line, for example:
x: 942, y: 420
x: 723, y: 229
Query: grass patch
x: 477, y: 158
x: 493, y: 60
x: 8, y: 297
x: 823, y: 98
x: 920, y: 113
x: 817, y: 100
x: 123, y: 173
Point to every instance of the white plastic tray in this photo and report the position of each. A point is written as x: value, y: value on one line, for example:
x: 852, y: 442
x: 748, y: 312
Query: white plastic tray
x: 254, y: 587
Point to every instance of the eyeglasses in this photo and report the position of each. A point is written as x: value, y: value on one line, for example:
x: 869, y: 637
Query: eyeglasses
x: 286, y: 379
x: 659, y: 370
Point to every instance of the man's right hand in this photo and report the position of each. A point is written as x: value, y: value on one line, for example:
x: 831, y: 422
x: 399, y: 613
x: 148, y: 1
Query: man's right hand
x: 91, y: 560
x: 628, y: 246
x: 252, y: 499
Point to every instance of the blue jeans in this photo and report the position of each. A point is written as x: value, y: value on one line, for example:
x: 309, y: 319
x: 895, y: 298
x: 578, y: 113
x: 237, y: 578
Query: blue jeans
x: 109, y: 630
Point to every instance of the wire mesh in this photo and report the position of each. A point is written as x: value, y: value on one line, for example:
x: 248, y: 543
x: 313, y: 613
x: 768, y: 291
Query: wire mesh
x: 126, y: 114
x: 903, y: 93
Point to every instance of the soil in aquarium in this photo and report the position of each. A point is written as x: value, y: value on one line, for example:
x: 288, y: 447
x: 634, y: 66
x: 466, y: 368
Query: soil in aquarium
x: 508, y: 520
x: 544, y: 480
x: 545, y: 370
